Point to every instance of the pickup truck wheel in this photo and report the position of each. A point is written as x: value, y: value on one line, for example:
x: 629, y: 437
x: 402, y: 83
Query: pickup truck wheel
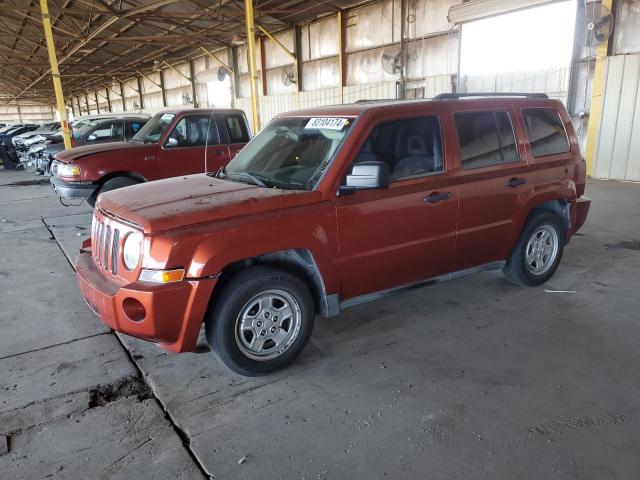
x: 261, y: 321
x: 538, y: 252
x: 112, y: 184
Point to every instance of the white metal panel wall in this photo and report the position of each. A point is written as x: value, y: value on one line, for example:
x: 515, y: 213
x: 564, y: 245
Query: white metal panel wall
x: 617, y: 154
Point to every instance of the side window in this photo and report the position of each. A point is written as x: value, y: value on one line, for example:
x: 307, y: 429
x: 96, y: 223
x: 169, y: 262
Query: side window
x: 107, y: 131
x: 545, y: 131
x: 236, y: 128
x: 133, y: 127
x: 507, y: 137
x: 485, y: 138
x: 411, y: 147
x: 193, y: 131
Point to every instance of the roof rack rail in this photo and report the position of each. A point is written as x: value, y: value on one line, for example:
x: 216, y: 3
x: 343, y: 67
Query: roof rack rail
x: 456, y: 96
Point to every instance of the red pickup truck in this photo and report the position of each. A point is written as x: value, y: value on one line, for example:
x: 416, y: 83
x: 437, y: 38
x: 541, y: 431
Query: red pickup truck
x: 170, y: 144
x: 330, y: 207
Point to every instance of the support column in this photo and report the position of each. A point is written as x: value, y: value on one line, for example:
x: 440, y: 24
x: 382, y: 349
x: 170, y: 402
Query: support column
x: 192, y: 79
x: 263, y: 65
x: 253, y: 77
x: 342, y: 54
x: 86, y: 103
x: 595, y: 111
x: 55, y: 73
x: 140, y: 96
x: 124, y: 103
x: 108, y: 90
x: 95, y: 95
x: 162, y: 89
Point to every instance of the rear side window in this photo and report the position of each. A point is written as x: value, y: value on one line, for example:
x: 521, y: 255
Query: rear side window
x: 236, y: 128
x: 545, y: 131
x: 486, y: 138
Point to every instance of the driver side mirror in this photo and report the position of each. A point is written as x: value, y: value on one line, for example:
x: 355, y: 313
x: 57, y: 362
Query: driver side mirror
x: 171, y: 142
x: 367, y: 176
x: 92, y: 138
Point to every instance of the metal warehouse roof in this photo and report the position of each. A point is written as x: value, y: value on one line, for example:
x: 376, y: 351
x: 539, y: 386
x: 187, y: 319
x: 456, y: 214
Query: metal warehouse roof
x: 97, y: 40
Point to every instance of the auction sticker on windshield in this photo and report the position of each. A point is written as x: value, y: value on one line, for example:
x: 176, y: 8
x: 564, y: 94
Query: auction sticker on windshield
x: 327, y: 123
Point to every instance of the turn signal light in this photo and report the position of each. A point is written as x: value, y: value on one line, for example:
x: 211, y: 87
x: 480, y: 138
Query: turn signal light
x: 162, y: 276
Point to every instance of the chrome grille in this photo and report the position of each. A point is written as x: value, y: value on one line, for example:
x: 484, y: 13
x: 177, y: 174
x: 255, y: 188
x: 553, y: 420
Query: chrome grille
x: 105, y: 243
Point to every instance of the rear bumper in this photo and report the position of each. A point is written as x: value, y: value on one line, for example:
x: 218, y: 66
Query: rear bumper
x: 72, y: 190
x: 579, y: 212
x: 169, y: 315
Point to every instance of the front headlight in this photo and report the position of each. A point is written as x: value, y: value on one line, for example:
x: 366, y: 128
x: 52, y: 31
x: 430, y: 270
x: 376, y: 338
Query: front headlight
x: 132, y: 250
x: 68, y: 170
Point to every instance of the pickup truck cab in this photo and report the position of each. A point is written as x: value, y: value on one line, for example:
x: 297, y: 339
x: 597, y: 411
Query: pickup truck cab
x: 170, y: 144
x: 330, y: 207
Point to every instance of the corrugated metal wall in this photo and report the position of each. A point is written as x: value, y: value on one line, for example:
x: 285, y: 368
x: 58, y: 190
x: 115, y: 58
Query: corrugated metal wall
x: 618, y: 144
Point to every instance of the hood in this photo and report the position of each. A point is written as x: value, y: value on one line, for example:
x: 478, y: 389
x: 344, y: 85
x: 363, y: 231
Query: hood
x: 183, y: 201
x: 76, y: 153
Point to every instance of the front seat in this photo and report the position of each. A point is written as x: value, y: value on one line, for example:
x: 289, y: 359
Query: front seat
x: 417, y: 161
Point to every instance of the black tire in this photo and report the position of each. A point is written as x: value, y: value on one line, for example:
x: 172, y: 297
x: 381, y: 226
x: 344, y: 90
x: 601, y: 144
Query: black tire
x: 112, y: 184
x: 223, y: 319
x: 517, y: 269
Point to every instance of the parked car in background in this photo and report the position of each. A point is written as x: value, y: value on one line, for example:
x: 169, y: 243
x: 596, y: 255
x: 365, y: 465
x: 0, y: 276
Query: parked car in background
x: 172, y: 143
x: 331, y: 207
x: 23, y: 142
x: 7, y: 151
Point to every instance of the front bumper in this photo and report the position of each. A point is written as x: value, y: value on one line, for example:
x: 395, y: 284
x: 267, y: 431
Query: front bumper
x: 71, y: 189
x: 169, y: 315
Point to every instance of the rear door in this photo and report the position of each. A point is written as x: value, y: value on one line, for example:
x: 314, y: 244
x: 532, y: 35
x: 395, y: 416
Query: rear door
x: 405, y: 233
x: 492, y: 175
x: 183, y: 150
x: 233, y: 127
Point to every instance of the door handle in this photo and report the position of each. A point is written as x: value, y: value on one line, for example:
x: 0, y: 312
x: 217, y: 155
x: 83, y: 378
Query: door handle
x: 516, y: 182
x: 217, y: 152
x: 150, y: 158
x: 436, y: 197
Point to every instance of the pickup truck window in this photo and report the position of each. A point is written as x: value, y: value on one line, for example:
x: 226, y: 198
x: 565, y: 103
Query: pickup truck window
x: 411, y: 147
x: 107, y: 131
x: 236, y: 128
x: 485, y: 138
x: 290, y: 152
x: 195, y: 131
x: 546, y: 131
x: 153, y: 129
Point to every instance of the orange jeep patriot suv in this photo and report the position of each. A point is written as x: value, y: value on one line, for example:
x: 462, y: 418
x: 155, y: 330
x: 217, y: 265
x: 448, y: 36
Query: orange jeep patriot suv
x: 330, y: 207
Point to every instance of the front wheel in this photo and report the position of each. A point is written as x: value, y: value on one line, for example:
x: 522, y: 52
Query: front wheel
x: 111, y: 184
x: 538, y: 252
x: 261, y: 321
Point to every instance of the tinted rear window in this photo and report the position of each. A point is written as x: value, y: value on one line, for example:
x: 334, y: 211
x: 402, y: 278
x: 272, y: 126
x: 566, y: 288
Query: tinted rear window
x: 546, y: 131
x: 486, y: 138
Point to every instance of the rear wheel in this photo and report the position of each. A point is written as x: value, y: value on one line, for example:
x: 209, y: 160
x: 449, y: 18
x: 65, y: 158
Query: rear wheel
x: 538, y: 252
x: 261, y: 321
x: 112, y: 184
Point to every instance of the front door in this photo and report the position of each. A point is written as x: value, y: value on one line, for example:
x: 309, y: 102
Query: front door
x: 405, y: 233
x: 183, y: 151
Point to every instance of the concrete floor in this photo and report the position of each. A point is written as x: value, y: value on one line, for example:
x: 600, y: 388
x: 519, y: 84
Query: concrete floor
x: 474, y: 378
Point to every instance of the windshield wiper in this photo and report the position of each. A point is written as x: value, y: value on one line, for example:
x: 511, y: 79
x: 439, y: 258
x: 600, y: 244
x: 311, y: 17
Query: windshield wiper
x: 254, y: 178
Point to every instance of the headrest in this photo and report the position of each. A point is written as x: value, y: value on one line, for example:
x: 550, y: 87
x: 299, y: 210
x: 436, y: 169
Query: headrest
x: 416, y: 145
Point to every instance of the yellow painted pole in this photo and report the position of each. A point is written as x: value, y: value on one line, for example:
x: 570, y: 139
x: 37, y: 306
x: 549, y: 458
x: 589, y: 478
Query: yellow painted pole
x: 55, y: 74
x: 253, y: 76
x: 341, y: 54
x: 595, y: 111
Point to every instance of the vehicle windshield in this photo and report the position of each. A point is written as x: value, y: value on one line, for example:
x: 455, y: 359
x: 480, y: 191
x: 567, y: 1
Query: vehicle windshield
x: 290, y: 152
x: 153, y: 129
